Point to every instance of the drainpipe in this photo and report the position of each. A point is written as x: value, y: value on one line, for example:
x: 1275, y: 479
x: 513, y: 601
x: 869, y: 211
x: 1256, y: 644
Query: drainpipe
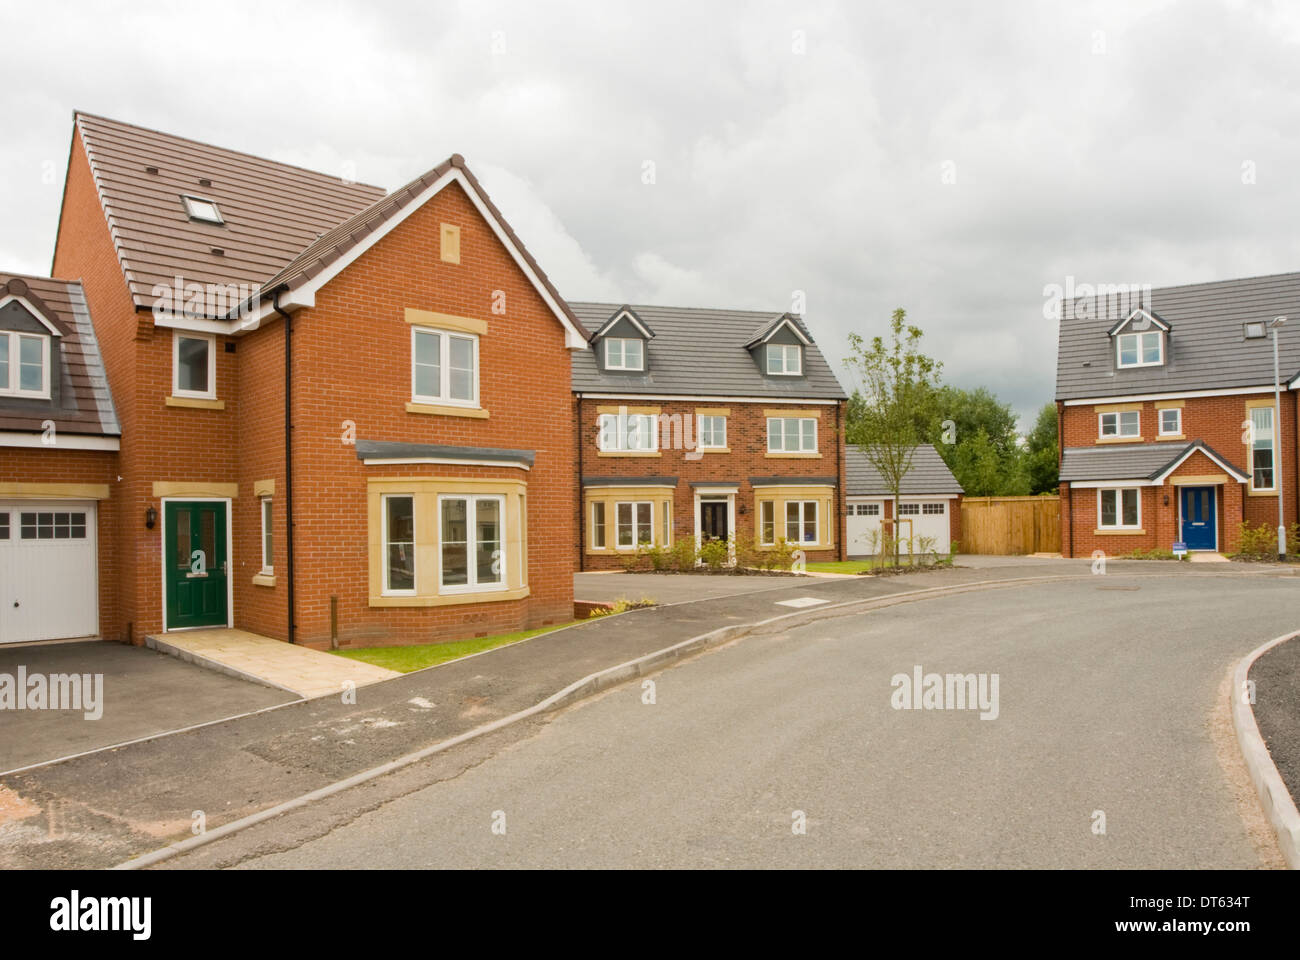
x: 582, y: 508
x: 288, y: 454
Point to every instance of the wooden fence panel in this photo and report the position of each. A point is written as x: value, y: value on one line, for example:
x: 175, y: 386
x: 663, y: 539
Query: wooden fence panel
x: 1011, y: 526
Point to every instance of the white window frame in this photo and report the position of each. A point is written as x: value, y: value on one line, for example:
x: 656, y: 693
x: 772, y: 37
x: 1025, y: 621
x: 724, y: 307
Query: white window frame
x: 699, y: 432
x: 803, y: 506
x: 384, y: 543
x: 784, y: 351
x: 266, y: 511
x: 444, y: 397
x: 1160, y: 421
x: 1119, y: 523
x: 1272, y: 445
x: 193, y: 212
x: 1138, y: 335
x: 622, y: 353
x: 911, y: 509
x: 13, y: 387
x: 471, y: 544
x: 763, y: 506
x: 619, y: 433
x: 603, y: 525
x: 780, y: 435
x: 211, y: 340
x: 636, y: 527
x: 1119, y: 424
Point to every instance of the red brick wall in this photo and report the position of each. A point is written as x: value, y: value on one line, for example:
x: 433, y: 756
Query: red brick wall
x: 1219, y: 422
x: 747, y: 441
x: 352, y: 356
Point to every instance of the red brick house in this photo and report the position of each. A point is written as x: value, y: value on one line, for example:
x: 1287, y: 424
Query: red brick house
x: 712, y: 424
x: 341, y: 412
x: 1168, y: 426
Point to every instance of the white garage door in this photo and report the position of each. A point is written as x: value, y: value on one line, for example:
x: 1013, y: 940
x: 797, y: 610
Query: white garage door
x: 929, y: 519
x: 48, y: 570
x: 862, y: 518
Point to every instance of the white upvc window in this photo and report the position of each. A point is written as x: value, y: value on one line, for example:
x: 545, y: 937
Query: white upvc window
x: 1261, y: 449
x: 1145, y: 349
x: 801, y: 521
x: 784, y: 359
x: 1119, y: 508
x: 194, y: 365
x: 268, y: 555
x: 792, y: 434
x: 1121, y: 423
x: 399, y: 544
x: 711, y: 432
x: 634, y: 520
x: 624, y: 353
x: 24, y: 365
x: 598, y: 525
x: 444, y: 367
x: 1171, y: 421
x: 627, y: 433
x: 470, y: 542
x: 767, y: 522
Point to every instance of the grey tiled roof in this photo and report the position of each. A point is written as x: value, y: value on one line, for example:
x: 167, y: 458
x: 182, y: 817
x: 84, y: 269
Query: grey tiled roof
x: 701, y: 352
x: 1205, y: 348
x: 1137, y: 461
x: 927, y: 475
x: 387, y: 450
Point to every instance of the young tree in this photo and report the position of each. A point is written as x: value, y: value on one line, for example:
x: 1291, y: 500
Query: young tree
x: 897, y: 396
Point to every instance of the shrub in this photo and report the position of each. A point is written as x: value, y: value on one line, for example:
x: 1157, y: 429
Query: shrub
x: 682, y: 555
x: 660, y: 558
x: 715, y: 554
x: 748, y: 555
x: 781, y: 556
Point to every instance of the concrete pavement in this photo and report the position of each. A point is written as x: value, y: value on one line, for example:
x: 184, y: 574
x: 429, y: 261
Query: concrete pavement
x: 1108, y: 693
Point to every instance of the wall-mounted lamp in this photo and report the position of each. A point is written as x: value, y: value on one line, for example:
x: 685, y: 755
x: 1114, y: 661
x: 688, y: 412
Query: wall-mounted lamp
x: 1166, y: 499
x: 742, y: 510
x: 150, y: 518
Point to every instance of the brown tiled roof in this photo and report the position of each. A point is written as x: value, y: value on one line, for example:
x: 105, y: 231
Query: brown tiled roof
x: 272, y: 211
x: 84, y: 405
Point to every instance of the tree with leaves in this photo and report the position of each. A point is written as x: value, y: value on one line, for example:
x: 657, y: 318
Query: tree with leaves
x: 1041, y: 455
x: 899, y: 384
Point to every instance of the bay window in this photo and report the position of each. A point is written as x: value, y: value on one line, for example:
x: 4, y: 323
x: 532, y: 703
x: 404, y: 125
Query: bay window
x: 470, y: 542
x: 801, y: 521
x: 635, y: 523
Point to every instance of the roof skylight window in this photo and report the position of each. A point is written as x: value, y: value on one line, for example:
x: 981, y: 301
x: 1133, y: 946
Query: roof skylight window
x: 200, y: 209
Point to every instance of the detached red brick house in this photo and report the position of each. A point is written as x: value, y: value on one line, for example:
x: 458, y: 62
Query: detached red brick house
x: 711, y: 424
x: 340, y: 411
x: 1168, y: 428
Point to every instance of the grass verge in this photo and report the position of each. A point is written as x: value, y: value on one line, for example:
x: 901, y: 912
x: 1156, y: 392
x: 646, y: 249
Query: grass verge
x: 419, y: 656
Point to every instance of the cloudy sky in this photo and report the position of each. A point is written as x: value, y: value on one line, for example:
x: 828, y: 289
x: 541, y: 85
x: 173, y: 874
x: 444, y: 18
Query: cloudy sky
x: 949, y: 158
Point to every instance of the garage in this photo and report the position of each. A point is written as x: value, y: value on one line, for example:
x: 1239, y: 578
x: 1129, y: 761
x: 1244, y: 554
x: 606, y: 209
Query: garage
x: 929, y: 503
x: 48, y: 570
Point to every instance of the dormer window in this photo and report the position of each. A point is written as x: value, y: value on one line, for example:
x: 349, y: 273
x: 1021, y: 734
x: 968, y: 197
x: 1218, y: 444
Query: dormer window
x: 199, y: 208
x: 24, y: 365
x: 624, y: 353
x: 1139, y: 340
x: 784, y: 359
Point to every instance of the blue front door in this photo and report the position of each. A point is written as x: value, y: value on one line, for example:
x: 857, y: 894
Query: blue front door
x: 1199, y: 529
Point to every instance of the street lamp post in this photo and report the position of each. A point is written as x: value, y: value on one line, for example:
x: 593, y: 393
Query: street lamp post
x: 1277, y: 441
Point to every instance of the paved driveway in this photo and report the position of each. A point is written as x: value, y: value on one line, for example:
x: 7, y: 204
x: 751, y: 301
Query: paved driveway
x: 144, y: 692
x: 674, y: 587
x: 1110, y: 693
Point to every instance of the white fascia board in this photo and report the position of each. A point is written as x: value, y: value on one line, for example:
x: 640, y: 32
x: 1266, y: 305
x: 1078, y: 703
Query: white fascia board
x: 62, y: 441
x: 1233, y: 471
x: 787, y: 322
x: 1111, y: 484
x: 1186, y: 394
x: 770, y: 401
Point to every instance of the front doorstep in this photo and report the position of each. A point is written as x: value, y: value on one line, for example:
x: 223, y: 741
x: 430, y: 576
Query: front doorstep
x: 273, y: 663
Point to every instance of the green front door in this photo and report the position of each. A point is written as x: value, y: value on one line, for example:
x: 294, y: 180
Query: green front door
x: 195, y: 538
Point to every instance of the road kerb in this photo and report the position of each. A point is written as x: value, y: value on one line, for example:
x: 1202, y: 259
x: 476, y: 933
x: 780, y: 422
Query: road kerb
x: 1278, y: 804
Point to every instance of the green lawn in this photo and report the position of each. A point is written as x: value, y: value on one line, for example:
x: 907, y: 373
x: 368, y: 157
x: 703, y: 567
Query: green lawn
x: 406, y: 659
x: 839, y: 566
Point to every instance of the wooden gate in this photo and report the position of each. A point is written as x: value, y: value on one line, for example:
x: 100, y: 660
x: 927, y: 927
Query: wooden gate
x: 1011, y: 526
